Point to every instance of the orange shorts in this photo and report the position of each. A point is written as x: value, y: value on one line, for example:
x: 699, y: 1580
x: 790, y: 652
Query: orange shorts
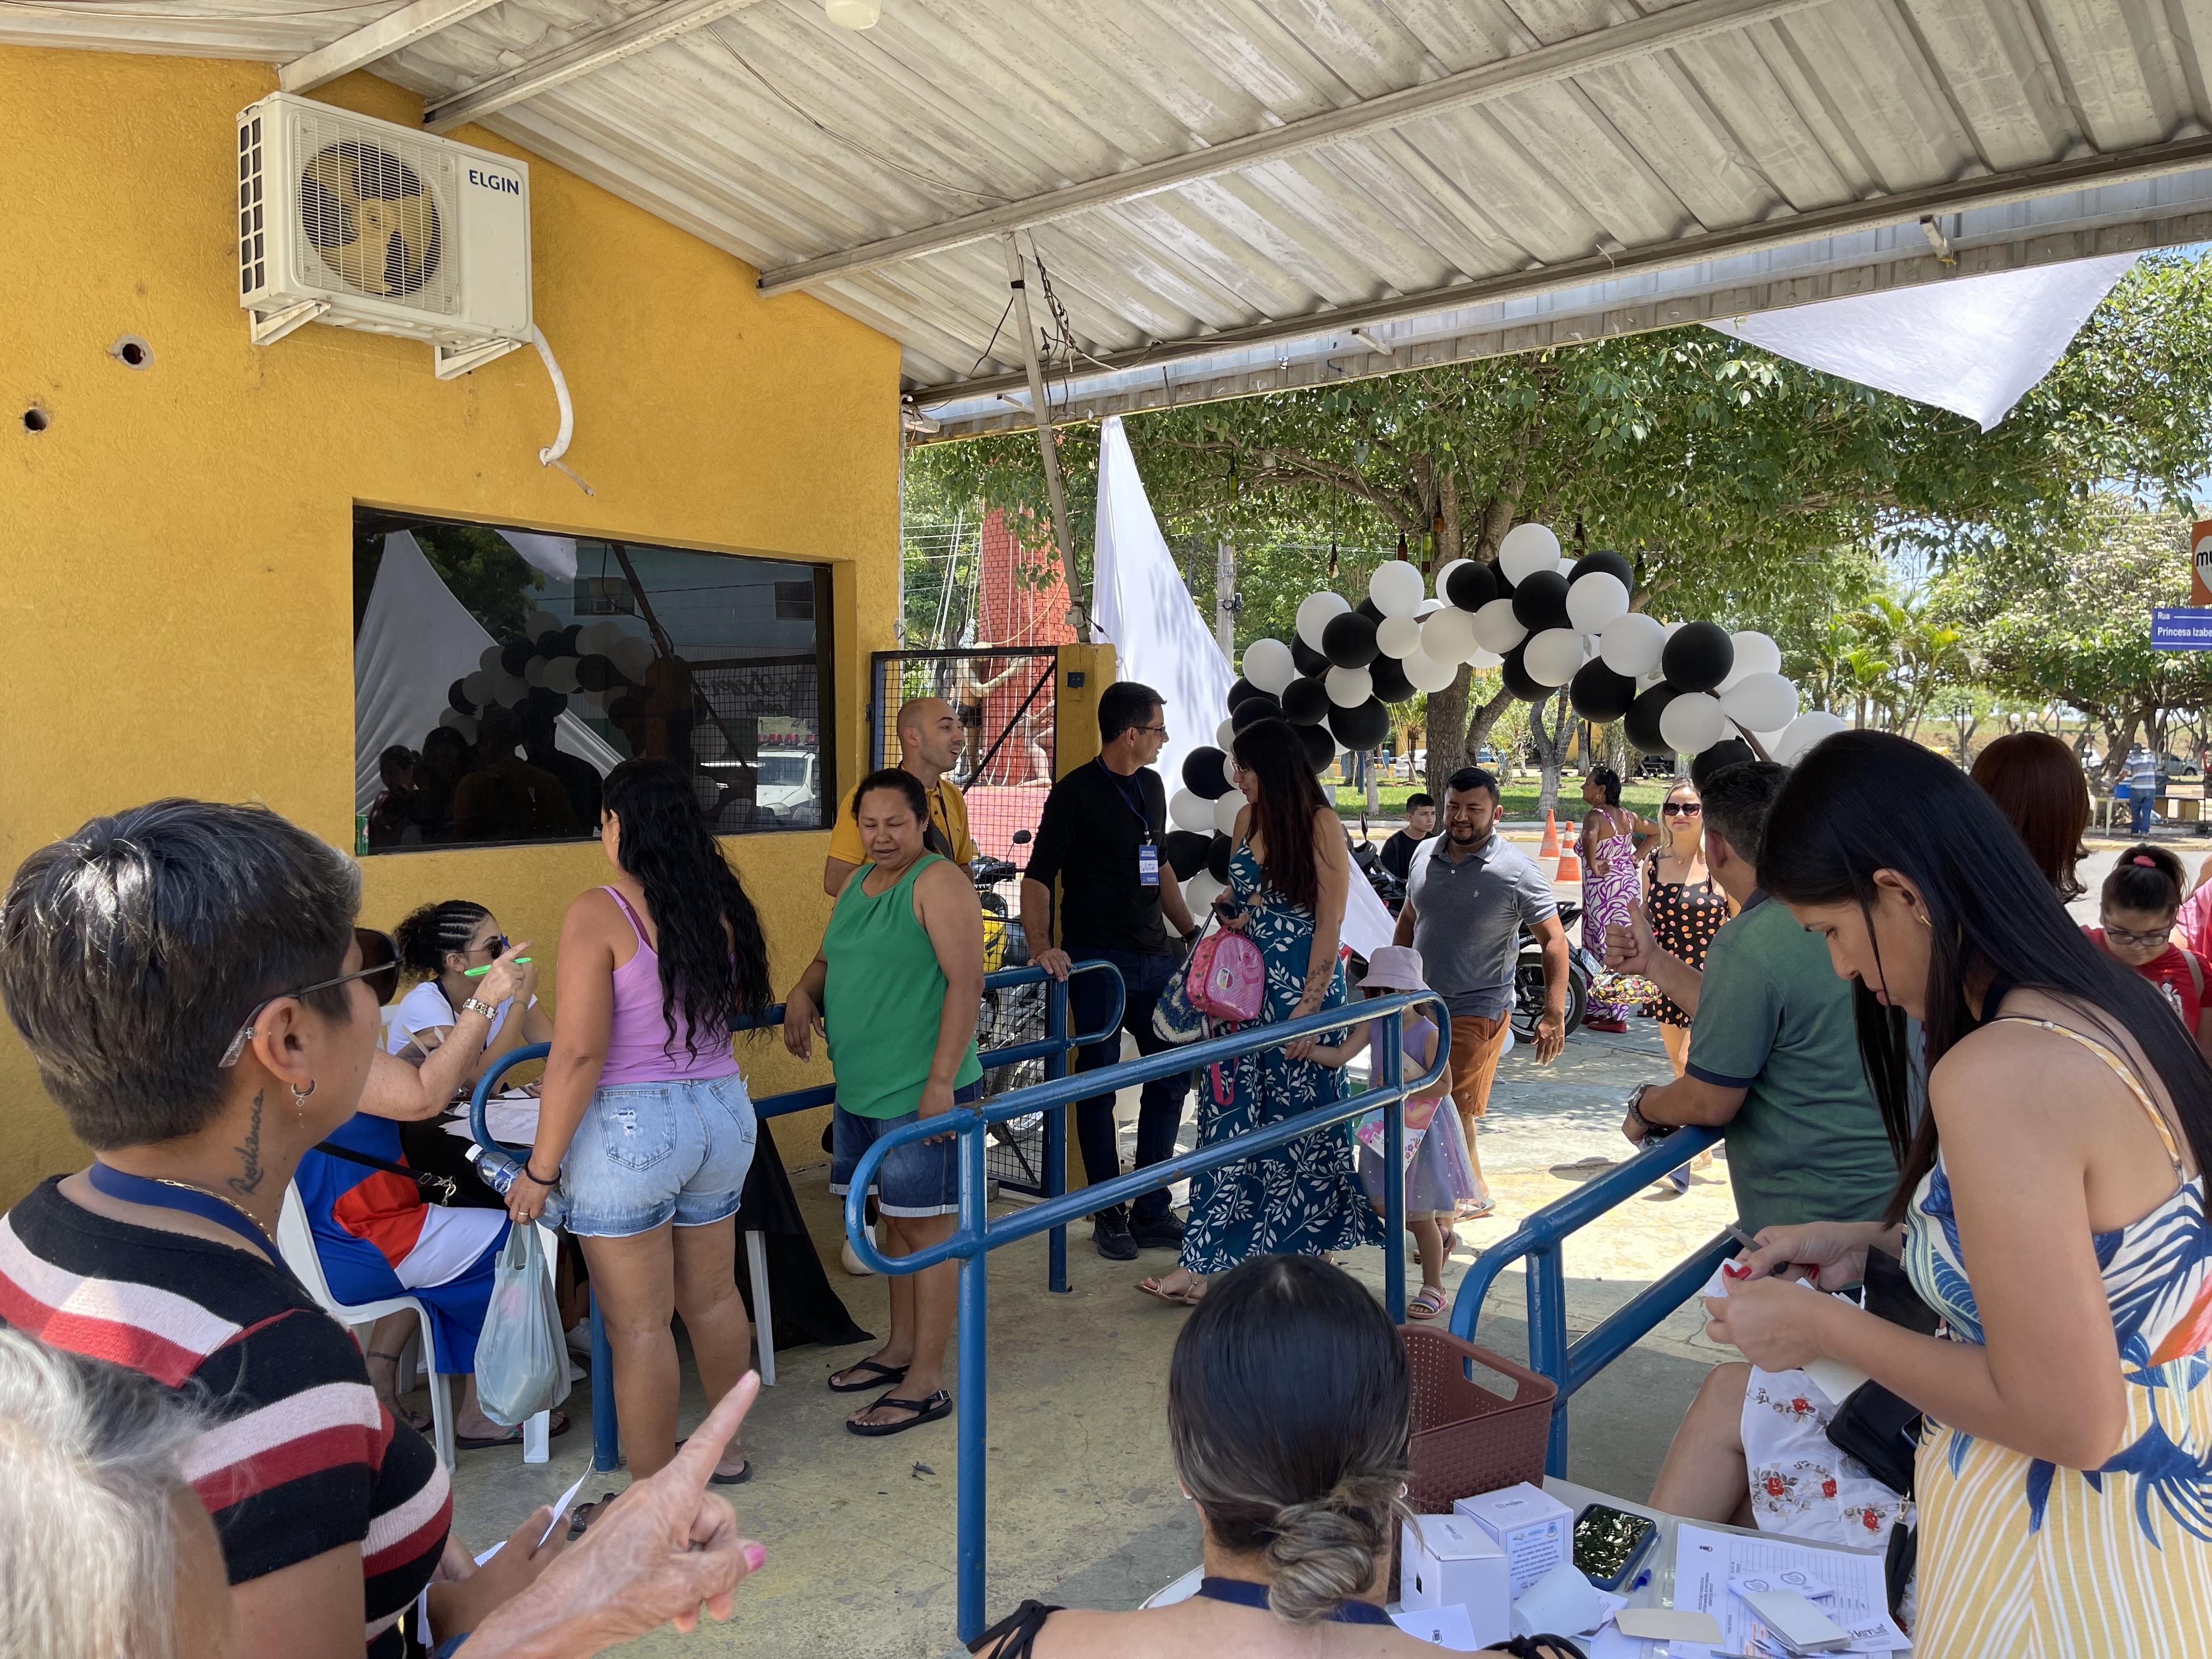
x: 1476, y: 1043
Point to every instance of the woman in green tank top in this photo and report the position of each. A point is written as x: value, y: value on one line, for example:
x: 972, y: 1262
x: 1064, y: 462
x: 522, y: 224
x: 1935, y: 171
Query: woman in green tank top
x: 895, y: 989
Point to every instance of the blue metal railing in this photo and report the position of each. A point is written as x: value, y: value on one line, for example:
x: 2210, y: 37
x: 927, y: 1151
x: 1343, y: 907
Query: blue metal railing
x: 1539, y: 1238
x: 1054, y: 1048
x: 978, y: 1234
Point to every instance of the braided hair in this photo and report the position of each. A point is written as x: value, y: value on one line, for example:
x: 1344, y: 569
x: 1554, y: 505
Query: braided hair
x: 426, y: 937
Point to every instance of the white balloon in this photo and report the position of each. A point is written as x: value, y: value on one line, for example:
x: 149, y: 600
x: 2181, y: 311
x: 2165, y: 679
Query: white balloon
x: 453, y: 721
x: 1803, y: 733
x: 1396, y: 588
x: 1189, y: 812
x: 1314, y: 612
x: 541, y: 622
x: 1229, y: 768
x: 1444, y: 575
x: 1427, y: 608
x: 600, y: 637
x: 1481, y: 660
x: 1497, y: 629
x: 1755, y: 653
x: 509, y: 689
x: 1527, y: 549
x: 1348, y: 688
x: 560, y: 675
x: 633, y: 654
x: 1223, y: 735
x: 1398, y: 636
x: 1553, y: 656
x: 476, y: 687
x: 1268, y: 665
x: 1425, y: 673
x: 1567, y: 567
x: 489, y: 662
x: 1201, y: 891
x: 1225, y: 810
x: 1630, y: 643
x: 1761, y: 703
x: 1691, y: 723
x: 1447, y: 635
x: 1674, y: 628
x: 1594, y: 599
x: 533, y: 671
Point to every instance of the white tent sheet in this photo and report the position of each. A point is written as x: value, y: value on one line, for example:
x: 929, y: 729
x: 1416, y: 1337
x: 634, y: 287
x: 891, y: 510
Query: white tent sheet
x: 1974, y: 346
x: 416, y: 640
x: 1140, y: 605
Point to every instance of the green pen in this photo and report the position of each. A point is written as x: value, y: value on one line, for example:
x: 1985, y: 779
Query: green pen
x: 478, y: 973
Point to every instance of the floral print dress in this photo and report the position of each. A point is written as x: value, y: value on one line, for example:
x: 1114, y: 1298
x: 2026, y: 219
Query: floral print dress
x: 1301, y: 1199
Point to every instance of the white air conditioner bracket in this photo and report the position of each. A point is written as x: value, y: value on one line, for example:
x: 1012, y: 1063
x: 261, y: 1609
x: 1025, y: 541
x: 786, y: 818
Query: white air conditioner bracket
x: 450, y: 362
x: 270, y: 326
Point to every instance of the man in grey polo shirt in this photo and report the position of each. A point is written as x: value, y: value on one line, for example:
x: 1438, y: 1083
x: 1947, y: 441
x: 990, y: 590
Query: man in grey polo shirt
x: 1468, y: 896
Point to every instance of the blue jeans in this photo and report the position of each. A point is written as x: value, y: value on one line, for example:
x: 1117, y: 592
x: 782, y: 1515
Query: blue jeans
x: 649, y: 1153
x: 2140, y: 806
x: 1160, y: 1107
x: 921, y: 1178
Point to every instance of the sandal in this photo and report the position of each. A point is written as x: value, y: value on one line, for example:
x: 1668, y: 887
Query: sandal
x: 884, y: 1374
x: 585, y: 1516
x: 1177, y: 1299
x: 555, y: 1430
x: 744, y: 1472
x: 925, y: 1411
x: 1428, y: 1303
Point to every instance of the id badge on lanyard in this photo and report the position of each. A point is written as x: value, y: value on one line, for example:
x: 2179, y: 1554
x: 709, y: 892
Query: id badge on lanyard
x: 1148, y: 863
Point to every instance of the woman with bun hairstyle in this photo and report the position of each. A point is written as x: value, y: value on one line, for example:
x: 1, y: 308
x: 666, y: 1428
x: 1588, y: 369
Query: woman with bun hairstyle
x: 645, y: 1124
x: 451, y: 945
x: 1290, y: 1405
x: 2136, y: 913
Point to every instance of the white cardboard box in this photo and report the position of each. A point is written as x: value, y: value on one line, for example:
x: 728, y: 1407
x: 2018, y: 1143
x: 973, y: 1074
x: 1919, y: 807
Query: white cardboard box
x: 1446, y: 1560
x: 1535, y: 1530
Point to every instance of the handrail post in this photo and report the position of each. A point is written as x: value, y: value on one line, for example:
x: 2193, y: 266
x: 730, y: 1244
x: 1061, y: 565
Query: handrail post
x: 1392, y: 1063
x: 606, y: 1432
x: 1056, y: 1019
x: 974, y: 1387
x: 1547, y: 1340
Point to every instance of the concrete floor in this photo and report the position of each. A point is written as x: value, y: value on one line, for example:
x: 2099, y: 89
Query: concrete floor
x: 1084, y: 1509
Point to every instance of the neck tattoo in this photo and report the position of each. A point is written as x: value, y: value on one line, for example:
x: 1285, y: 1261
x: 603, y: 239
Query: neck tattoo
x: 249, y: 1179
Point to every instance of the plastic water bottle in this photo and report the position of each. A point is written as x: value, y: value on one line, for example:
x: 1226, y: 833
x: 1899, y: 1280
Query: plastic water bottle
x: 499, y: 1171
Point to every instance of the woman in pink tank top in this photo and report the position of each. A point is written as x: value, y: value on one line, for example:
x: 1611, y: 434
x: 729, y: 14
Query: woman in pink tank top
x: 644, y: 1116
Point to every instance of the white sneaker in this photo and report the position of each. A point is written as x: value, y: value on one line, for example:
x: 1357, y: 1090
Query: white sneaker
x: 853, y: 1265
x: 579, y: 1338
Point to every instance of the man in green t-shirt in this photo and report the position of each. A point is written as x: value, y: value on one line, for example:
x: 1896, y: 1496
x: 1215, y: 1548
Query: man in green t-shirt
x: 1774, y: 1053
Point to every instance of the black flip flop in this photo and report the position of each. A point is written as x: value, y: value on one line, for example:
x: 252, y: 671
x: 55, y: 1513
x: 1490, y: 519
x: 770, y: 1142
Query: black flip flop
x: 736, y: 1480
x: 558, y: 1427
x: 926, y: 1410
x: 884, y: 1374
x: 579, y: 1520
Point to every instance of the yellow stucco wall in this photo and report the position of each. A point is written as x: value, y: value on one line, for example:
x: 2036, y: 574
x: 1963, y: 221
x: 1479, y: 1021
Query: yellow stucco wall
x: 177, y: 544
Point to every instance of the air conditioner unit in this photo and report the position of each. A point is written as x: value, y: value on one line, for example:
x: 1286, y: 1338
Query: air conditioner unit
x: 365, y: 224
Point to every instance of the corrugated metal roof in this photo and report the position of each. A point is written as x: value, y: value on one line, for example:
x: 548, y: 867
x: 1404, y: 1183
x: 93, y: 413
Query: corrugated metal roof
x: 1564, y: 138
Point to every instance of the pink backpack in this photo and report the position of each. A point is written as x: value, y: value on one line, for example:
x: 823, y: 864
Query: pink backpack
x: 1227, y: 978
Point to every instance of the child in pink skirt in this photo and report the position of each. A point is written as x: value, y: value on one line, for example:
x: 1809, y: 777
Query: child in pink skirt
x: 1438, y: 1173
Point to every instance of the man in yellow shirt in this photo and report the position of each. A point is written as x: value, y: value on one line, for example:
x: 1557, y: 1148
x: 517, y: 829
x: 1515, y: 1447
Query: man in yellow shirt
x: 929, y: 736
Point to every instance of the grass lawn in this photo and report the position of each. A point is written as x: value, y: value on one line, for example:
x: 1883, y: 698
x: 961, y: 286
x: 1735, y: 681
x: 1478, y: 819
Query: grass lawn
x: 1641, y: 795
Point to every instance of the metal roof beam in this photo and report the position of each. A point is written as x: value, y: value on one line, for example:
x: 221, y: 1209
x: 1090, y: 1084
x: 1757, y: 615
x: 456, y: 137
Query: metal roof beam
x: 1904, y: 208
x: 595, y: 50
x: 1663, y: 31
x: 395, y: 31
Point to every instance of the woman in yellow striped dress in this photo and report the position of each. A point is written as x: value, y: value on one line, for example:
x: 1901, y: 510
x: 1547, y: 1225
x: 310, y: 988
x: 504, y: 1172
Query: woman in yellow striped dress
x: 2054, y: 1215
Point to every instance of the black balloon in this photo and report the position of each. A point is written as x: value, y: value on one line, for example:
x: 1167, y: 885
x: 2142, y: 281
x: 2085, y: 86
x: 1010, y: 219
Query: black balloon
x: 1504, y: 582
x: 1390, y: 683
x: 1514, y: 673
x: 569, y: 648
x: 1185, y: 851
x: 1541, y: 602
x: 1605, y: 559
x: 597, y: 673
x: 1309, y: 661
x: 1729, y: 751
x: 1348, y: 641
x: 1217, y: 857
x: 1368, y: 609
x: 1241, y: 690
x: 1699, y: 657
x: 1598, y: 694
x: 514, y: 654
x: 1252, y: 710
x: 1364, y: 728
x: 1305, y: 702
x: 550, y: 643
x: 1202, y: 774
x: 459, y: 700
x: 1471, y: 586
x: 1320, y: 748
x: 1641, y: 724
x: 545, y: 697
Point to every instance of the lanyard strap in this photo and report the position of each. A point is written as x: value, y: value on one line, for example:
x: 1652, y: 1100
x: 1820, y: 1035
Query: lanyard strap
x: 163, y: 1195
x: 1134, y: 803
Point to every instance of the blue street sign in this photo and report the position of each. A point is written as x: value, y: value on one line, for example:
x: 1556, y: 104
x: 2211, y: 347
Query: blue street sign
x: 2181, y: 628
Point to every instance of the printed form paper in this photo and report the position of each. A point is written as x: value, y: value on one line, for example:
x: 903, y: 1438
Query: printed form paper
x: 1705, y: 1562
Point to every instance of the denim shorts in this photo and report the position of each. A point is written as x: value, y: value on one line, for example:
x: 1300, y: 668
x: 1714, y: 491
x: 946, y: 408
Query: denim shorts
x: 648, y: 1154
x: 916, y: 1179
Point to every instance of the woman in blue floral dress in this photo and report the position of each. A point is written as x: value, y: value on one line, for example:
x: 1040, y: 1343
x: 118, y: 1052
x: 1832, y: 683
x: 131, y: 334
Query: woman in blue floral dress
x: 1287, y: 881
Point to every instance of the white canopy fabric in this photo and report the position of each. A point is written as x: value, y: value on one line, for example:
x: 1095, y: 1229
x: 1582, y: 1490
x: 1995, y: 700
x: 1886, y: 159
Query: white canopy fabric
x: 416, y: 640
x: 1974, y: 346
x: 1142, y: 607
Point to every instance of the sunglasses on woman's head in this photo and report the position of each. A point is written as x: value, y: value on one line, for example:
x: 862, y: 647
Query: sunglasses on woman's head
x: 380, y: 968
x: 1687, y: 809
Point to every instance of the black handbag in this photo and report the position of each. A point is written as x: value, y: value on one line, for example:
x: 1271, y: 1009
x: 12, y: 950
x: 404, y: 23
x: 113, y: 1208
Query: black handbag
x: 1875, y: 1425
x: 435, y: 1189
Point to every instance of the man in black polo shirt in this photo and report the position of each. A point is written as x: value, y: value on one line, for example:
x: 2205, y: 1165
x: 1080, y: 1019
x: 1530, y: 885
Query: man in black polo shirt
x: 1104, y: 824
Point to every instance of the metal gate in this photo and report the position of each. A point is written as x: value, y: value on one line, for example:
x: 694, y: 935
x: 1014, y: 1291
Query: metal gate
x: 1007, y: 700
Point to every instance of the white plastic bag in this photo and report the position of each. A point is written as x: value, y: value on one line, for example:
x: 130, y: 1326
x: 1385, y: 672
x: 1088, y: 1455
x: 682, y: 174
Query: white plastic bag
x: 521, y: 1355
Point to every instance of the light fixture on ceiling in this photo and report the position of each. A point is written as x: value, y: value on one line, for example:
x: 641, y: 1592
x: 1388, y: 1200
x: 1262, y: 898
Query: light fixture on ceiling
x: 854, y: 14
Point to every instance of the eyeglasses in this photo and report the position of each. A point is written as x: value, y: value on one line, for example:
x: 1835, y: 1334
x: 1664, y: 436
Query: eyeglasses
x: 1155, y: 730
x: 380, y: 967
x: 1683, y: 809
x: 2122, y: 936
x: 496, y: 944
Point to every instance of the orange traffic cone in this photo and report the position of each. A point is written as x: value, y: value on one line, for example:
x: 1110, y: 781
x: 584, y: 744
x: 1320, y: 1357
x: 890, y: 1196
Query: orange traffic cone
x: 1550, y: 849
x: 1570, y: 867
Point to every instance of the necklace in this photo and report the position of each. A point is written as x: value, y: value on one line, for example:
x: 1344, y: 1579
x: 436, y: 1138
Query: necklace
x: 197, y: 1201
x: 187, y: 1187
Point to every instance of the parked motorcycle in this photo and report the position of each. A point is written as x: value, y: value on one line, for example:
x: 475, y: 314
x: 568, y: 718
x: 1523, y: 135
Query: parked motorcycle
x: 1528, y: 979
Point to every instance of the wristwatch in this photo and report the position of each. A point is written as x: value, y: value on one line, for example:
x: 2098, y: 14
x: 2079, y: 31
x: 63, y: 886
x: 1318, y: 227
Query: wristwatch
x: 473, y: 1006
x: 1651, y: 1131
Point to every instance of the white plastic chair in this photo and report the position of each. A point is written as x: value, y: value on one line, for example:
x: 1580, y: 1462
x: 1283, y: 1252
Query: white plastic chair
x: 764, y: 1315
x: 295, y: 1243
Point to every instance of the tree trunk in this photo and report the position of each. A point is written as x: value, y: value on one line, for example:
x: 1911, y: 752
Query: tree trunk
x: 1454, y: 735
x: 1551, y: 748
